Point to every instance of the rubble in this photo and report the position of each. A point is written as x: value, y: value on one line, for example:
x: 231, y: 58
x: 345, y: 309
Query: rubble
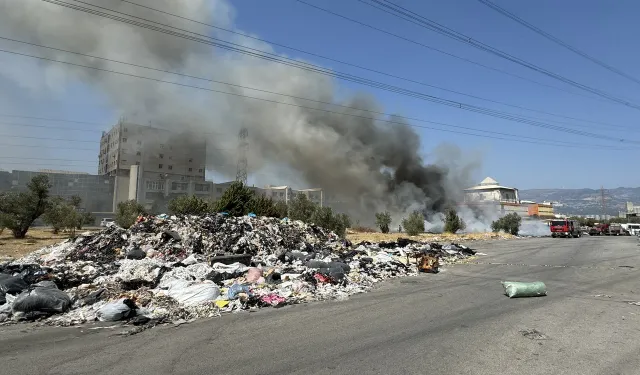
x: 177, y: 269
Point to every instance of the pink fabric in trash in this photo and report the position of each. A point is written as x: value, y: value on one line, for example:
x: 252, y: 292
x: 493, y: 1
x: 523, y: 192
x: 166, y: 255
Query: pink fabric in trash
x: 254, y: 274
x: 273, y: 299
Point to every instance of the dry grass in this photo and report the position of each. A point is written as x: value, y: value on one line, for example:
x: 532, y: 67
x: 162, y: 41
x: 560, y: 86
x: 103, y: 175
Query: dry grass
x: 442, y: 237
x: 37, y: 238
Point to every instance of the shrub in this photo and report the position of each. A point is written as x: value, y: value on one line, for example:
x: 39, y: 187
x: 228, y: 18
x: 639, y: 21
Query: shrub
x: 128, y: 212
x: 236, y: 200
x: 414, y: 224
x: 18, y: 211
x: 383, y: 221
x: 301, y: 208
x: 188, y: 205
x: 264, y: 206
x: 509, y: 223
x: 325, y: 218
x: 452, y: 222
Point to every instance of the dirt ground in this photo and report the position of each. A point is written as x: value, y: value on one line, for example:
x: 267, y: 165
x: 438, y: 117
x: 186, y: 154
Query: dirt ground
x: 37, y: 238
x: 441, y: 237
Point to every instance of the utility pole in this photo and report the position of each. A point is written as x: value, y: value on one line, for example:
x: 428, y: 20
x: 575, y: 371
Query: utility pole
x: 243, y: 146
x: 603, y: 203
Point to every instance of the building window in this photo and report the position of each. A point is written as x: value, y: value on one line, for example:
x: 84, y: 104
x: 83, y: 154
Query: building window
x: 170, y: 157
x: 159, y: 166
x: 190, y: 169
x: 124, y: 140
x: 124, y: 160
x: 126, y: 130
x: 137, y: 163
x: 170, y: 167
x: 200, y: 170
x: 190, y: 160
x: 198, y: 187
x: 138, y: 153
x: 154, y: 185
x: 139, y: 143
x: 162, y: 147
x: 161, y: 156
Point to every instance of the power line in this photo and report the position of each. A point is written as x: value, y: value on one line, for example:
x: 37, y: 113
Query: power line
x: 556, y: 40
x: 44, y: 146
x: 200, y: 78
x: 334, y: 112
x: 50, y: 127
x: 49, y: 139
x: 317, y: 69
x: 24, y: 158
x: 267, y: 91
x: 417, y: 19
x: 332, y: 59
x: 444, y: 52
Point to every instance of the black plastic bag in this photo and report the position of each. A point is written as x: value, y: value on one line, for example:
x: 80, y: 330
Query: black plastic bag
x: 47, y: 300
x: 12, y: 285
x: 136, y: 254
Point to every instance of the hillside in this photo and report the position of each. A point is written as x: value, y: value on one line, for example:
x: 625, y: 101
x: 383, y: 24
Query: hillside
x: 584, y: 201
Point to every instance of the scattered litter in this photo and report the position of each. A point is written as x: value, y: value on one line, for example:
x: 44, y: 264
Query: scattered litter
x: 534, y: 334
x: 603, y: 295
x: 175, y: 269
x: 515, y: 289
x: 635, y: 303
x: 115, y: 311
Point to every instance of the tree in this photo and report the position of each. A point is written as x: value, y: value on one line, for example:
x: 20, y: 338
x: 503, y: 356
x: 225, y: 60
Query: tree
x: 235, y: 200
x: 86, y: 218
x: 57, y: 214
x: 189, y: 205
x: 281, y: 209
x: 383, y: 221
x: 301, y: 208
x: 325, y: 218
x: 414, y: 224
x: 343, y: 221
x: 18, y: 211
x: 128, y: 212
x: 509, y: 223
x: 453, y: 222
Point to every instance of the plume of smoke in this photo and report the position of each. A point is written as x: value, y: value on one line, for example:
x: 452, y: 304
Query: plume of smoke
x: 365, y: 165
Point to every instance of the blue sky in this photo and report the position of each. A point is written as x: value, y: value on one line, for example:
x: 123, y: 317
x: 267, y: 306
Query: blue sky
x: 605, y: 30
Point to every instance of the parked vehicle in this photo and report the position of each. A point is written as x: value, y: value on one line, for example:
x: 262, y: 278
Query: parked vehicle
x: 616, y: 229
x: 595, y: 231
x: 106, y: 221
x: 565, y: 228
x: 631, y: 229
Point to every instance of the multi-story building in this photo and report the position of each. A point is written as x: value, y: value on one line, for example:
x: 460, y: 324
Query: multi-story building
x: 153, y: 165
x: 95, y: 191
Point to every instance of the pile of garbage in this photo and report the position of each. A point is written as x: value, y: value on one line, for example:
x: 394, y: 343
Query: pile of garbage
x: 175, y: 269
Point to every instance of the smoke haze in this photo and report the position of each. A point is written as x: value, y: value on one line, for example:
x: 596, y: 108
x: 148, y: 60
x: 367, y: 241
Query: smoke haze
x: 365, y: 164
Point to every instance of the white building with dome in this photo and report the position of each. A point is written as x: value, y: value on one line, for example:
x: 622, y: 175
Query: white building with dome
x: 489, y: 190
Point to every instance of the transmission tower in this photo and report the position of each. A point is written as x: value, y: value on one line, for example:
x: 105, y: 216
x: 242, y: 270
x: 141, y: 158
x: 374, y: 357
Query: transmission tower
x: 243, y: 146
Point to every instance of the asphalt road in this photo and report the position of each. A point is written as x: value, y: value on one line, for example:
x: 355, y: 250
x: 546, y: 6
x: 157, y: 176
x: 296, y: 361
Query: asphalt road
x: 455, y: 322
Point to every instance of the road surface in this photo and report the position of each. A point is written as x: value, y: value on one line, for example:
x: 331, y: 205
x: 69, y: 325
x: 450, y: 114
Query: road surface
x: 455, y: 322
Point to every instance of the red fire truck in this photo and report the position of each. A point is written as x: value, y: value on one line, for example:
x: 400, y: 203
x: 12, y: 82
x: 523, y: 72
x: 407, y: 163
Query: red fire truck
x: 565, y: 228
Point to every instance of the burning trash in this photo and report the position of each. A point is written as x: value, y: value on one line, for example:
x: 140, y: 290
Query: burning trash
x: 168, y: 269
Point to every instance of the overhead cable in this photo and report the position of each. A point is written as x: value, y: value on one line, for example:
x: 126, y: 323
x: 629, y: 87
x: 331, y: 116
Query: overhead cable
x: 558, y: 41
x: 320, y: 70
x: 415, y: 18
x: 311, y: 108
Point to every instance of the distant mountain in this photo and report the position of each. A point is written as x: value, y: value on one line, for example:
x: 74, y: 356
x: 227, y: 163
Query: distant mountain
x: 584, y: 201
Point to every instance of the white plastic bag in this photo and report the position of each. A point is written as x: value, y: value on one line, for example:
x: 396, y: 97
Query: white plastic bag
x: 191, y: 293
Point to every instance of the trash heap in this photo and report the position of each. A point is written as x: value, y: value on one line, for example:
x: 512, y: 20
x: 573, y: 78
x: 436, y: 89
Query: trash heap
x: 176, y: 269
